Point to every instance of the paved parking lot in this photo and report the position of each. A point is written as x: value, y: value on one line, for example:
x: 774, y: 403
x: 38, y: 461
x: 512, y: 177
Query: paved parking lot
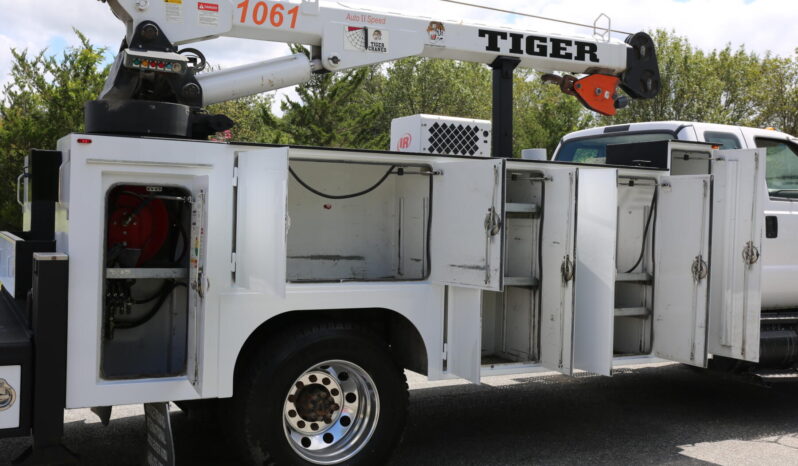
x: 654, y: 414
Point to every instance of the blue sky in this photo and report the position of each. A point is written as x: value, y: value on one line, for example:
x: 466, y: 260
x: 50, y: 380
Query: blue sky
x: 762, y: 25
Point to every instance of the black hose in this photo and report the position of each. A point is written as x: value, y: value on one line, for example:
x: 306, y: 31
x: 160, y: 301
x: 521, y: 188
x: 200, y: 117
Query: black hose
x: 166, y: 290
x: 347, y: 196
x: 651, y: 210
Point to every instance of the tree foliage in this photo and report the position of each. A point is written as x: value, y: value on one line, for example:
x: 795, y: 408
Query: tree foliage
x: 43, y: 102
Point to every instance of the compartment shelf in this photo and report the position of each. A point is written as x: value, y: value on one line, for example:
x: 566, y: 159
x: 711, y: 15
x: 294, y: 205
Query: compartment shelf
x: 632, y: 312
x: 633, y: 278
x: 525, y: 282
x: 521, y: 208
x: 144, y: 273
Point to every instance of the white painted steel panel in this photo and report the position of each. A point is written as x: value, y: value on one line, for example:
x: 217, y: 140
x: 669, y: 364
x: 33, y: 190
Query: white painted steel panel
x: 260, y: 220
x: 557, y: 294
x: 681, y: 242
x: 464, y: 196
x: 464, y: 339
x: 94, y: 168
x: 735, y: 295
x: 594, y: 309
x: 9, y: 419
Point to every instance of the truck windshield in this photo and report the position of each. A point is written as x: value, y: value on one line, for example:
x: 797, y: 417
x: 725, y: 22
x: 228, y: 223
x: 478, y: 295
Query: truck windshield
x: 782, y: 167
x: 593, y: 149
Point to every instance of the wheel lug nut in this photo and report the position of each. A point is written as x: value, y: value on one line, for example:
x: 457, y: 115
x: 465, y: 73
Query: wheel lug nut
x: 314, y: 426
x: 300, y: 385
x: 292, y: 413
x: 334, y: 392
x: 325, y: 381
x: 313, y: 378
x: 301, y: 424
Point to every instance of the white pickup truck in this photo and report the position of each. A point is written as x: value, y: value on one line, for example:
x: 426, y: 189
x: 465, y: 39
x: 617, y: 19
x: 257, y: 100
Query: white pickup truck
x: 779, y: 337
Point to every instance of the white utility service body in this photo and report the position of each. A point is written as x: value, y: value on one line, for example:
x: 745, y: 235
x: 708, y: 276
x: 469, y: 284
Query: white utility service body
x: 780, y: 254
x: 263, y: 237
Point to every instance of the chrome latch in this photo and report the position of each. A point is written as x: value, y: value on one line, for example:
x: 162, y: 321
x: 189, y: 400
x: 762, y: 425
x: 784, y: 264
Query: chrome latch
x: 700, y: 269
x: 750, y: 253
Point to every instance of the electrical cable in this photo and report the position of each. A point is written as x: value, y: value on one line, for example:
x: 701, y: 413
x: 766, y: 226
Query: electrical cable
x: 651, y: 210
x: 347, y: 196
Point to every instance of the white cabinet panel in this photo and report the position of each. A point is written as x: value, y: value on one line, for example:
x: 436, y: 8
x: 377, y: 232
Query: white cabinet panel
x: 467, y: 211
x: 594, y: 309
x: 735, y: 296
x: 464, y: 339
x: 681, y: 248
x: 557, y: 284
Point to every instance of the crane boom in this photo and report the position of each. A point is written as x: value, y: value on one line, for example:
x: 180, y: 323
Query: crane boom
x: 343, y: 37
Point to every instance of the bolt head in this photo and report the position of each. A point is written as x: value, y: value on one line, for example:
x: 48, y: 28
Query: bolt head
x: 335, y: 59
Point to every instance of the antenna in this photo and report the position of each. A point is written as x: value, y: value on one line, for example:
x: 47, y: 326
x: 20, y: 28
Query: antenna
x: 500, y: 10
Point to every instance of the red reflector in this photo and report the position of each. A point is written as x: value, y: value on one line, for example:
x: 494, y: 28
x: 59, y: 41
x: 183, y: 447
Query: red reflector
x: 84, y: 141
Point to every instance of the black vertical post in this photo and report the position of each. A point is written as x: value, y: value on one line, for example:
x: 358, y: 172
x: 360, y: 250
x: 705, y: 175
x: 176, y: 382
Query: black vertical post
x: 503, y: 68
x: 49, y: 322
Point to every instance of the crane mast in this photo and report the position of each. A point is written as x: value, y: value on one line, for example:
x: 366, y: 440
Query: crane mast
x: 151, y: 67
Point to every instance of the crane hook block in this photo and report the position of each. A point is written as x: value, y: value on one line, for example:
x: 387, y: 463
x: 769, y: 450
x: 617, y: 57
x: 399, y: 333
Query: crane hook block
x: 597, y: 92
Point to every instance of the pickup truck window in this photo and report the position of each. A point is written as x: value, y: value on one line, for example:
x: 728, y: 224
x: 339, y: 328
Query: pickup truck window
x: 726, y: 140
x: 782, y: 167
x: 593, y: 149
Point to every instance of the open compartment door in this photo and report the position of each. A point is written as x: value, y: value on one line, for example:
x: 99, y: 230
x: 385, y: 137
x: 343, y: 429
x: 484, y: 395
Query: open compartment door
x: 260, y: 249
x: 197, y: 284
x: 464, y: 332
x: 557, y: 275
x: 735, y: 283
x: 466, y: 243
x: 681, y: 288
x: 594, y: 280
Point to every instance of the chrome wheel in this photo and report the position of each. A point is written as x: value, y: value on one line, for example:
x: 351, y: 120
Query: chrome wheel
x: 330, y: 412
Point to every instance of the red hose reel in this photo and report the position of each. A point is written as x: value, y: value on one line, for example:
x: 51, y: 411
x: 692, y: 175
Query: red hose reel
x: 137, y: 221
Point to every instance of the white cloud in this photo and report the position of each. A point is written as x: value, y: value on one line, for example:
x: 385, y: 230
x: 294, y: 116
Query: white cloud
x: 762, y: 25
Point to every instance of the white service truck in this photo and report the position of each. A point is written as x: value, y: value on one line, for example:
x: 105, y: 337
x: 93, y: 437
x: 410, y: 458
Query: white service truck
x: 290, y: 287
x: 779, y: 332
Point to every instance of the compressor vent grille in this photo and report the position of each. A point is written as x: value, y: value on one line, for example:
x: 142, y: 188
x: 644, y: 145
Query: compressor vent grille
x: 453, y: 139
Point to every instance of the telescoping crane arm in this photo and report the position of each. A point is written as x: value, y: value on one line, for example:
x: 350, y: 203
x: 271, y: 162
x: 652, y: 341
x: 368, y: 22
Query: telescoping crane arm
x: 150, y: 67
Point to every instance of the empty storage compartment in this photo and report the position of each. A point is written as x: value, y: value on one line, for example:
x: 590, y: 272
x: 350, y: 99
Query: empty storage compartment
x: 510, y: 319
x: 146, y: 297
x: 355, y: 221
x: 634, y: 278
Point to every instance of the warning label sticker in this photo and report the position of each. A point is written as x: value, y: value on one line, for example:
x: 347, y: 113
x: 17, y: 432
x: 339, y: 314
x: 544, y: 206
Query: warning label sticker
x: 208, y: 14
x: 174, y: 11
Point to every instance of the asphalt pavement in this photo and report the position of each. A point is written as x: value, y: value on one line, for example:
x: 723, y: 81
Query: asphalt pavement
x: 654, y: 414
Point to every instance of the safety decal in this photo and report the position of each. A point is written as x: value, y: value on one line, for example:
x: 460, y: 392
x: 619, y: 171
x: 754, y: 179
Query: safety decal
x: 362, y: 39
x: 208, y: 14
x: 436, y: 31
x: 174, y: 11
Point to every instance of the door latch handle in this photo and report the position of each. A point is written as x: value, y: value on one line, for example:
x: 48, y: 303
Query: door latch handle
x: 700, y: 269
x: 567, y: 269
x: 750, y: 253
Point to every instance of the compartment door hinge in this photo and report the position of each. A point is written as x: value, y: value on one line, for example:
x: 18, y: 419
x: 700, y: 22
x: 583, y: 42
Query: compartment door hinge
x: 233, y: 262
x: 235, y: 177
x: 445, y: 354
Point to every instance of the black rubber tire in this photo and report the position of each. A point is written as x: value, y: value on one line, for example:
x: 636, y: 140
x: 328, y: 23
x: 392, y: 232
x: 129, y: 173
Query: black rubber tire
x: 266, y: 374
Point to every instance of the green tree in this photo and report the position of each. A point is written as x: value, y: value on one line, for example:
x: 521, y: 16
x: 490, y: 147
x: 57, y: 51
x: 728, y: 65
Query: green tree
x: 43, y: 102
x: 330, y: 111
x: 250, y: 115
